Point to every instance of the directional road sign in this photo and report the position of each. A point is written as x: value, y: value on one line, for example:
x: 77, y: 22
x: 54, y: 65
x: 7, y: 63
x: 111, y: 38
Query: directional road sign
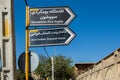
x: 51, y: 16
x: 50, y: 37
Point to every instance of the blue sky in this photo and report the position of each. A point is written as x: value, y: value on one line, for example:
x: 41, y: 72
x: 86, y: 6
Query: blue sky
x: 97, y: 26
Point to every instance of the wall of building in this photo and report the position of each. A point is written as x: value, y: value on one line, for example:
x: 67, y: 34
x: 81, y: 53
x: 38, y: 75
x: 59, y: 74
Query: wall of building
x: 106, y: 69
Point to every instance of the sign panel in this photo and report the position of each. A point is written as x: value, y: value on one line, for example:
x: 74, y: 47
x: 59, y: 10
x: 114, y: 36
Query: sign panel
x: 50, y: 37
x: 33, y: 61
x: 51, y: 16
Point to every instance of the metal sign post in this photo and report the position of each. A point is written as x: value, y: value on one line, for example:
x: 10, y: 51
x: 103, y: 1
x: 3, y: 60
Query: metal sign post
x: 27, y: 44
x: 55, y: 16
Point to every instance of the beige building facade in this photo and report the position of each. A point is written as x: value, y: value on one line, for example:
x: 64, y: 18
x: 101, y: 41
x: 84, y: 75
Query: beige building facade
x: 106, y: 69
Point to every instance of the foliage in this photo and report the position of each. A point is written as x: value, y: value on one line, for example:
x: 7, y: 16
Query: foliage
x: 62, y: 67
x: 44, y: 67
x: 20, y: 75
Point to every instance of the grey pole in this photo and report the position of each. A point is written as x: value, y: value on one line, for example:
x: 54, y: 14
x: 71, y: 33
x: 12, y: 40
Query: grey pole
x: 52, y: 59
x: 7, y: 40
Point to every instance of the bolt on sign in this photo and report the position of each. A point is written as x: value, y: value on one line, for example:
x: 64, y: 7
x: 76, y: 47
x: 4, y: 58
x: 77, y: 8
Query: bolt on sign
x: 51, y: 16
x: 50, y: 37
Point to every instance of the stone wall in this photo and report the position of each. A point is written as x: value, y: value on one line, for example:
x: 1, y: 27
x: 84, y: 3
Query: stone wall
x: 106, y: 69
